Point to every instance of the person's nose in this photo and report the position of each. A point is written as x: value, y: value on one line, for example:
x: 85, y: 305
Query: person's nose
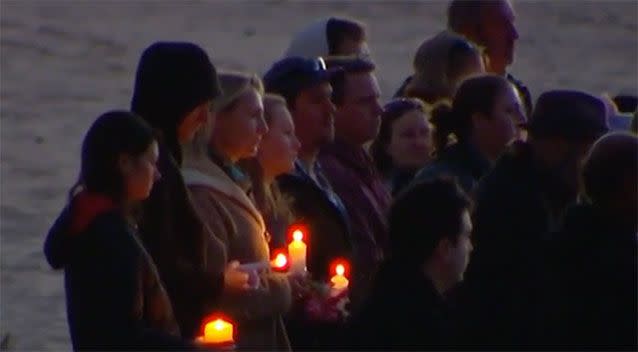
x: 330, y: 107
x: 262, y: 126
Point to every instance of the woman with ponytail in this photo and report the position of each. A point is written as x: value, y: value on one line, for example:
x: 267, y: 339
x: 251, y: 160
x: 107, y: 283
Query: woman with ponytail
x: 474, y: 130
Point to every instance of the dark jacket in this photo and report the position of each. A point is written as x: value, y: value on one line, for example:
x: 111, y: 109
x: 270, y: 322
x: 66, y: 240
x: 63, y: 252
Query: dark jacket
x: 354, y: 177
x: 318, y: 207
x: 461, y: 160
x: 500, y: 295
x: 182, y: 248
x: 114, y: 296
x: 403, y: 312
x: 592, y: 283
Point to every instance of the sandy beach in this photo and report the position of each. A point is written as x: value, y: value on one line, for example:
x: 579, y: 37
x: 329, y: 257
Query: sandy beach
x: 62, y: 63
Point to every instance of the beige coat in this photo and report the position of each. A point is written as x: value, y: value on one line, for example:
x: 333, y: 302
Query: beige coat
x: 233, y: 218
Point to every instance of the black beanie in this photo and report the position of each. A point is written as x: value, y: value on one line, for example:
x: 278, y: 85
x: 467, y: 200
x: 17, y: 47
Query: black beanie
x: 172, y: 79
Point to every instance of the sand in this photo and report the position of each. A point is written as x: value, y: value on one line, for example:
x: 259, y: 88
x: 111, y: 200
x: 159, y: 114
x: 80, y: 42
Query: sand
x: 64, y: 63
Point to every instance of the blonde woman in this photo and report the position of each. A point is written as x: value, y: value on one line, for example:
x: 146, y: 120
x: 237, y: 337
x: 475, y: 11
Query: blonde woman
x: 276, y: 156
x: 219, y: 192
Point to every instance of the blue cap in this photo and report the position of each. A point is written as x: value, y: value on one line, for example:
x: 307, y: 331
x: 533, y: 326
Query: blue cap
x: 287, y: 77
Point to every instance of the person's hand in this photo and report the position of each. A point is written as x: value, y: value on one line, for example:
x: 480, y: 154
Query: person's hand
x: 235, y: 279
x: 298, y: 286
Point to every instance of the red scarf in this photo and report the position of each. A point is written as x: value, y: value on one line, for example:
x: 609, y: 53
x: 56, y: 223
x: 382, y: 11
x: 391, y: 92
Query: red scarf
x: 86, y: 207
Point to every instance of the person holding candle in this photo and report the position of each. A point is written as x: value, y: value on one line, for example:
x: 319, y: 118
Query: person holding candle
x: 276, y: 156
x: 175, y: 83
x: 430, y: 245
x: 219, y: 190
x: 351, y: 171
x: 115, y: 297
x: 305, y: 84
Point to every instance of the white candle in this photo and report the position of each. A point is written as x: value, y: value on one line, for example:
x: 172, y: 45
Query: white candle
x: 297, y: 253
x: 339, y: 281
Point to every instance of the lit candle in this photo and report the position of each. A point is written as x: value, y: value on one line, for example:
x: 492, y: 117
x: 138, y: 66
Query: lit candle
x: 218, y: 332
x: 297, y: 252
x: 280, y: 263
x: 339, y: 281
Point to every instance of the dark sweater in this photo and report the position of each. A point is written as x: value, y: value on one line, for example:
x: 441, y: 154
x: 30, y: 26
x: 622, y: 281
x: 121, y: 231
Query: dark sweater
x: 115, y: 300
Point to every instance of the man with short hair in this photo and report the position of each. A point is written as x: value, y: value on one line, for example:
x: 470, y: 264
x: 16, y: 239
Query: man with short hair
x: 305, y: 84
x: 490, y: 24
x: 430, y: 231
x: 593, y: 267
x: 332, y: 36
x: 351, y: 171
x: 521, y: 200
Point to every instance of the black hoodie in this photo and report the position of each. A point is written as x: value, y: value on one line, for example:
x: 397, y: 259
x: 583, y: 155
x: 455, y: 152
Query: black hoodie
x: 114, y: 297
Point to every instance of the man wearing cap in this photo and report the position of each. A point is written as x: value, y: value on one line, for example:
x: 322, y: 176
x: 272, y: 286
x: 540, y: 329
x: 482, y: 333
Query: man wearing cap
x: 175, y: 84
x: 521, y: 200
x: 352, y: 172
x: 305, y: 84
x: 593, y: 268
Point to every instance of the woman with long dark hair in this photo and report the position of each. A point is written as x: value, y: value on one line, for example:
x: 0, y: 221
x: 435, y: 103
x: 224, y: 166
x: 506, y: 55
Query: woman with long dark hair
x: 115, y: 298
x: 174, y: 90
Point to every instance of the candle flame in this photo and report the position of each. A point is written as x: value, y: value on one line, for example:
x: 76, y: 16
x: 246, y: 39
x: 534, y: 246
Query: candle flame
x: 297, y: 235
x: 340, y: 269
x: 281, y: 260
x: 218, y: 324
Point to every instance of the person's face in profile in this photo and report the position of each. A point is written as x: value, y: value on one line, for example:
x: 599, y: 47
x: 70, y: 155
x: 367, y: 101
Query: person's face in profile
x: 313, y: 115
x: 498, y: 34
x: 279, y: 147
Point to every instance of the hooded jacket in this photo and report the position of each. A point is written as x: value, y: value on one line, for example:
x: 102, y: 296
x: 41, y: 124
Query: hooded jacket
x: 114, y: 296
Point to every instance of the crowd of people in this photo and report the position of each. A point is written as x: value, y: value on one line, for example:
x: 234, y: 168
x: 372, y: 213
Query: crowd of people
x: 471, y: 218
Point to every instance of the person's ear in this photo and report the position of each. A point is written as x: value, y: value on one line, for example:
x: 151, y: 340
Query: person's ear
x: 125, y: 164
x: 444, y: 249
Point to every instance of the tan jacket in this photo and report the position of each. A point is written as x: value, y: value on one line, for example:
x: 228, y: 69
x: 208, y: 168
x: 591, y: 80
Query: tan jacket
x: 231, y: 215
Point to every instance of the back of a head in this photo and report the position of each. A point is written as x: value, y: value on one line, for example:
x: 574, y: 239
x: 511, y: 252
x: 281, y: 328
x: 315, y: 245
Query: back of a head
x: 422, y: 215
x: 568, y: 114
x: 112, y: 135
x: 464, y: 15
x: 338, y: 29
x: 172, y: 79
x: 612, y: 160
x: 475, y: 95
x: 438, y: 64
x: 324, y: 37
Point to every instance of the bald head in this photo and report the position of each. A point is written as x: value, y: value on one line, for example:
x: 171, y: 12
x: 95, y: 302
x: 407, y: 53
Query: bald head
x: 610, y: 173
x: 488, y: 23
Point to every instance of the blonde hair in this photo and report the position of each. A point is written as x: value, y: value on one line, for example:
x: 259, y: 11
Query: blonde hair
x: 233, y: 85
x: 271, y: 101
x: 267, y: 197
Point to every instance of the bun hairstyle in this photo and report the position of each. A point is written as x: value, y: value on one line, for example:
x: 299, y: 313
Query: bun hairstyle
x: 475, y: 95
x: 392, y: 111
